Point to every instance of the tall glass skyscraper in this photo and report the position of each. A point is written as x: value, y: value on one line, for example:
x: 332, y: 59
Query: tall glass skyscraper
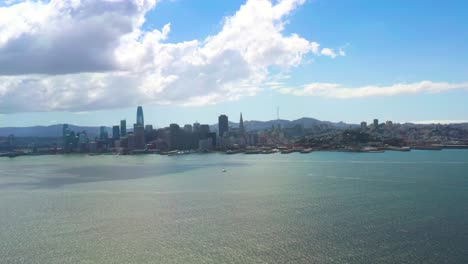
x: 140, y: 119
x: 123, y: 128
x: 223, y: 125
x: 115, y: 132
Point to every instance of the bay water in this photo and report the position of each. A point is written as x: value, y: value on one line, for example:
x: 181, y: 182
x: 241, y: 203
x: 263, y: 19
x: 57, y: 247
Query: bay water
x: 322, y: 207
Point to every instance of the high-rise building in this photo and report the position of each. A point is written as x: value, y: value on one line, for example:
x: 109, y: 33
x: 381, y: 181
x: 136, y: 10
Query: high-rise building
x: 188, y: 128
x: 130, y: 141
x: 69, y: 139
x: 204, y: 130
x: 139, y: 132
x: 212, y: 137
x: 175, y: 139
x: 115, y: 132
x: 103, y: 133
x: 376, y: 123
x: 148, y: 128
x: 65, y: 130
x: 140, y: 119
x: 223, y: 125
x: 241, y: 126
x: 196, y: 127
x: 363, y: 125
x: 123, y: 128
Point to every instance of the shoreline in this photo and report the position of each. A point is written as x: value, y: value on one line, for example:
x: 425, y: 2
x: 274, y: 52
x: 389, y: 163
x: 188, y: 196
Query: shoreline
x: 259, y: 151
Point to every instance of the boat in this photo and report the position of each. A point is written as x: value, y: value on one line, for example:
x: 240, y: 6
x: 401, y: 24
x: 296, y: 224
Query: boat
x: 307, y: 150
x: 224, y: 170
x: 287, y: 151
x: 398, y: 148
x: 267, y: 151
x: 372, y: 150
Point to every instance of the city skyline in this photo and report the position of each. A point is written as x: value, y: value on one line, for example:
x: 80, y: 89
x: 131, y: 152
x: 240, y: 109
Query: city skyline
x: 319, y: 59
x: 303, y: 136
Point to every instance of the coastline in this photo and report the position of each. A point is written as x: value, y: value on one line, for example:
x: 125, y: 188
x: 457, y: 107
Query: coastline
x: 251, y: 151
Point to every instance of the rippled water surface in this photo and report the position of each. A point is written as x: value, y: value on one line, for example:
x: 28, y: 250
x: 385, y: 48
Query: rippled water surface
x: 322, y: 207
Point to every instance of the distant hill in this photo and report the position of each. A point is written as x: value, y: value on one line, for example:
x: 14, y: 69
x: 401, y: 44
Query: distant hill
x: 56, y: 130
x: 47, y: 131
x: 306, y: 122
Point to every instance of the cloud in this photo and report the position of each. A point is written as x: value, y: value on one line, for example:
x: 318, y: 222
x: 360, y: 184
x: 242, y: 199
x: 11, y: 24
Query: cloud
x: 334, y: 90
x: 66, y: 36
x: 82, y: 55
x: 445, y: 122
x: 329, y: 52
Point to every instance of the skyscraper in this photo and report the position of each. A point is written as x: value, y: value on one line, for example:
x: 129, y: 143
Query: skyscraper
x: 115, y: 132
x: 139, y: 132
x: 196, y: 127
x: 376, y: 123
x: 204, y: 130
x: 241, y: 125
x: 140, y: 119
x: 363, y: 125
x: 65, y: 130
x: 188, y: 128
x: 175, y: 137
x: 223, y: 125
x: 67, y: 137
x: 103, y: 133
x: 123, y: 128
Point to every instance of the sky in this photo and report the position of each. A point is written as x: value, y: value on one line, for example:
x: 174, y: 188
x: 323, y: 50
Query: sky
x: 92, y: 62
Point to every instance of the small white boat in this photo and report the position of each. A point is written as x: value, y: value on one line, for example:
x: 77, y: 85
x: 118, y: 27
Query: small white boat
x: 224, y: 170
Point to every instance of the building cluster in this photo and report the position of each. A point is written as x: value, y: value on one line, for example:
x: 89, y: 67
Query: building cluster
x: 144, y: 138
x: 392, y: 136
x: 228, y: 138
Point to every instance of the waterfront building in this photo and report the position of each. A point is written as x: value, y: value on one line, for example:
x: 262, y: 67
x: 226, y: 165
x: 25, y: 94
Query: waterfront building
x: 376, y: 123
x: 204, y: 130
x: 93, y: 147
x: 252, y: 139
x: 117, y: 144
x: 123, y: 142
x: 115, y: 132
x: 131, y: 141
x: 123, y: 128
x: 139, y: 137
x: 223, y: 125
x: 140, y: 119
x: 175, y: 139
x: 205, y: 144
x: 212, y: 136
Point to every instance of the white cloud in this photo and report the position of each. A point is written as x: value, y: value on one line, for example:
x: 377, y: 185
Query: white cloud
x: 428, y: 122
x: 334, y: 90
x: 328, y: 52
x: 82, y: 55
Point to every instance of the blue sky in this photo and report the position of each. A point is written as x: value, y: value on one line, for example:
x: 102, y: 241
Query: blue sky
x: 384, y: 43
